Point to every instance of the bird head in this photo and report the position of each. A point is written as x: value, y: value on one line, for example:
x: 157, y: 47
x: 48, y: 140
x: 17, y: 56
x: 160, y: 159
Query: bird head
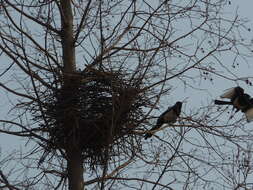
x: 238, y: 91
x: 177, y: 107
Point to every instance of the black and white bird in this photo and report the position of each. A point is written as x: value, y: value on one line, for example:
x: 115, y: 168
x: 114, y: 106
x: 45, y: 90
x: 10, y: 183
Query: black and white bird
x: 240, y: 101
x: 237, y: 97
x: 169, y: 116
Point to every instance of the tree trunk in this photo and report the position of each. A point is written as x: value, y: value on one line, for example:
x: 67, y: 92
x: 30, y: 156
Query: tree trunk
x: 75, y: 169
x: 73, y: 152
x: 68, y: 47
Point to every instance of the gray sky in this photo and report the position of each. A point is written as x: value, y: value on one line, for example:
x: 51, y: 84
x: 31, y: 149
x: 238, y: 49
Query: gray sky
x: 211, y: 90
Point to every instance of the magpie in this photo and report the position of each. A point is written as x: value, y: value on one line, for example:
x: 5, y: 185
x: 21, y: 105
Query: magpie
x: 169, y: 116
x: 239, y: 99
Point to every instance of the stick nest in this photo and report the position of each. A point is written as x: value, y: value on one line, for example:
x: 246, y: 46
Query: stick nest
x: 96, y: 111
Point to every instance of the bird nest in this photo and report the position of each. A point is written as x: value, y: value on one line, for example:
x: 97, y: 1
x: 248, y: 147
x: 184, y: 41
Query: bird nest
x: 97, y: 111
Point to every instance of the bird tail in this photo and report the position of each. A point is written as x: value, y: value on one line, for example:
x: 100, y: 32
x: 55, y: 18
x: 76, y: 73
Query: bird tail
x: 220, y: 102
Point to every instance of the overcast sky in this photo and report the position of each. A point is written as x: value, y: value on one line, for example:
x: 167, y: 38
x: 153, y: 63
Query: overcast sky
x: 195, y: 98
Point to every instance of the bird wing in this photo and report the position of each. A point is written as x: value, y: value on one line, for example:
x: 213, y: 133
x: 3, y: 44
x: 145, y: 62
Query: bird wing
x: 170, y: 117
x: 229, y: 93
x: 161, y: 118
x: 159, y: 123
x: 249, y: 114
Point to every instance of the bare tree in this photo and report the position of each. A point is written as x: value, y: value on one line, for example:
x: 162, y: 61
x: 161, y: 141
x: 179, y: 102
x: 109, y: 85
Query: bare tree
x: 85, y: 78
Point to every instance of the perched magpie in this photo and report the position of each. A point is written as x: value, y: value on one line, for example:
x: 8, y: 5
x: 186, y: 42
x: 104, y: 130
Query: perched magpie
x: 169, y: 116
